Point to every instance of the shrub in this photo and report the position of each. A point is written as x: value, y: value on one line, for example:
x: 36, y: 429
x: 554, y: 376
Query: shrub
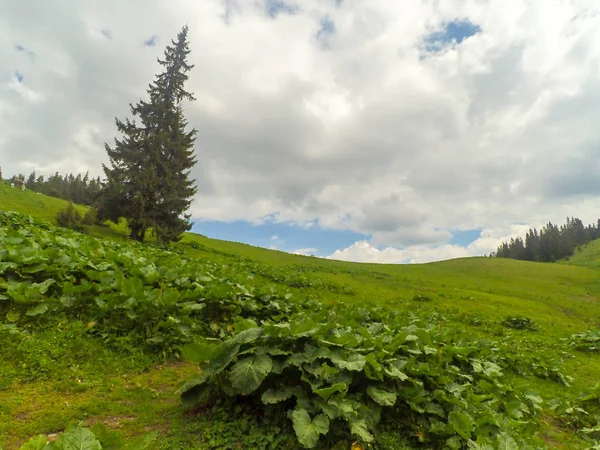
x: 519, y: 323
x: 588, y: 341
x: 70, y: 218
x: 421, y: 298
x: 353, y: 377
x: 91, y: 217
x: 96, y: 438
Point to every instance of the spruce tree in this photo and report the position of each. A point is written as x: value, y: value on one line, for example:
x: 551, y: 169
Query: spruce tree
x: 30, y: 183
x: 148, y: 179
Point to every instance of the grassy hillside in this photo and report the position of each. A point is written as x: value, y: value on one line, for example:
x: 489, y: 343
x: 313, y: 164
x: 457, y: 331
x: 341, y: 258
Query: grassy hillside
x: 587, y: 255
x: 118, y: 382
x: 40, y: 206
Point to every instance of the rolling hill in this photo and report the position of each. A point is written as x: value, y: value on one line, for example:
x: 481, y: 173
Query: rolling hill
x: 59, y: 374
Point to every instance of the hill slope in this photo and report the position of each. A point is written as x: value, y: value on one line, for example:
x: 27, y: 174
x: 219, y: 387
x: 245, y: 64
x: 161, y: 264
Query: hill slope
x: 587, y: 255
x: 39, y: 206
x: 475, y: 294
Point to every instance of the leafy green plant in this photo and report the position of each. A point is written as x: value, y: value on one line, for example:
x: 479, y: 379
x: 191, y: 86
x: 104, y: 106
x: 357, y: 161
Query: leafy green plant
x: 76, y: 437
x: 234, y: 426
x: 588, y: 341
x: 129, y: 294
x: 334, y: 372
x: 519, y: 323
x: 91, y: 217
x: 582, y: 414
x: 69, y: 217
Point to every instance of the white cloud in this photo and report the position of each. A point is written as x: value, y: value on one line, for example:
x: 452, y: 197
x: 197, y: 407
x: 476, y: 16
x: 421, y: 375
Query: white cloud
x: 304, y: 251
x: 360, y: 134
x: 364, y: 251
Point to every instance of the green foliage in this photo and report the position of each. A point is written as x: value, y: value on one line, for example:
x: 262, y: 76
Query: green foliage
x: 341, y: 373
x: 36, y: 347
x: 129, y: 294
x: 60, y: 351
x: 233, y: 426
x: 91, y: 217
x: 421, y: 298
x: 296, y: 276
x: 79, y: 189
x: 551, y: 243
x: 582, y: 415
x: 42, y: 207
x: 70, y: 218
x: 148, y: 179
x: 588, y: 341
x: 519, y: 323
x: 76, y: 437
x: 308, y: 430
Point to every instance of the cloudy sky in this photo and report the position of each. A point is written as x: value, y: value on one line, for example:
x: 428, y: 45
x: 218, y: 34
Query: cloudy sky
x: 364, y: 130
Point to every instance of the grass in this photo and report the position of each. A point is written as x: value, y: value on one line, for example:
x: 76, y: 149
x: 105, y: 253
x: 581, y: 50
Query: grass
x: 57, y: 376
x: 587, y: 255
x: 40, y: 206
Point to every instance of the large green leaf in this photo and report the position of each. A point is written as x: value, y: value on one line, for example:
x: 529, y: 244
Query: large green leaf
x: 327, y: 392
x: 339, y: 406
x: 39, y: 309
x: 373, y: 369
x: 110, y: 440
x: 305, y: 327
x: 353, y: 361
x: 394, y: 372
x: 271, y: 396
x: 382, y: 397
x: 76, y: 438
x: 35, y: 443
x: 461, y: 422
x: 195, y: 390
x: 247, y: 374
x: 223, y: 357
x: 199, y: 352
x: 13, y: 316
x: 307, y: 430
x: 358, y: 427
x: 247, y: 336
x: 506, y: 442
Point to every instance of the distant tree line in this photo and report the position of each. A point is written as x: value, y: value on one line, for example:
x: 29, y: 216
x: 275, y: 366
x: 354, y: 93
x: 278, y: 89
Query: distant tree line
x: 80, y: 189
x: 550, y: 243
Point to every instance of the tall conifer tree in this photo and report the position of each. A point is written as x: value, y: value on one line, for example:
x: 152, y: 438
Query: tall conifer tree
x: 148, y: 181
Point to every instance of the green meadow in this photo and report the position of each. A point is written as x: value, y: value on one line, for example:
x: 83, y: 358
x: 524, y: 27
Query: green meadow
x: 56, y: 369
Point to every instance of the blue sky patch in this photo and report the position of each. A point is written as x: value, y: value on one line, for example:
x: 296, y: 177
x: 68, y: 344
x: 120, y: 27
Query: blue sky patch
x: 464, y: 237
x: 455, y: 31
x: 151, y: 42
x: 283, y: 236
x: 19, y: 48
x: 19, y: 76
x: 274, y: 7
x: 288, y: 237
x: 327, y: 28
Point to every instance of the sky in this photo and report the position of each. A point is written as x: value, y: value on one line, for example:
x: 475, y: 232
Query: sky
x: 361, y: 130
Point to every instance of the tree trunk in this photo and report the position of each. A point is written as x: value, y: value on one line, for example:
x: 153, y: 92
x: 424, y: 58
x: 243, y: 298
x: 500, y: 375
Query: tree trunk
x: 138, y: 233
